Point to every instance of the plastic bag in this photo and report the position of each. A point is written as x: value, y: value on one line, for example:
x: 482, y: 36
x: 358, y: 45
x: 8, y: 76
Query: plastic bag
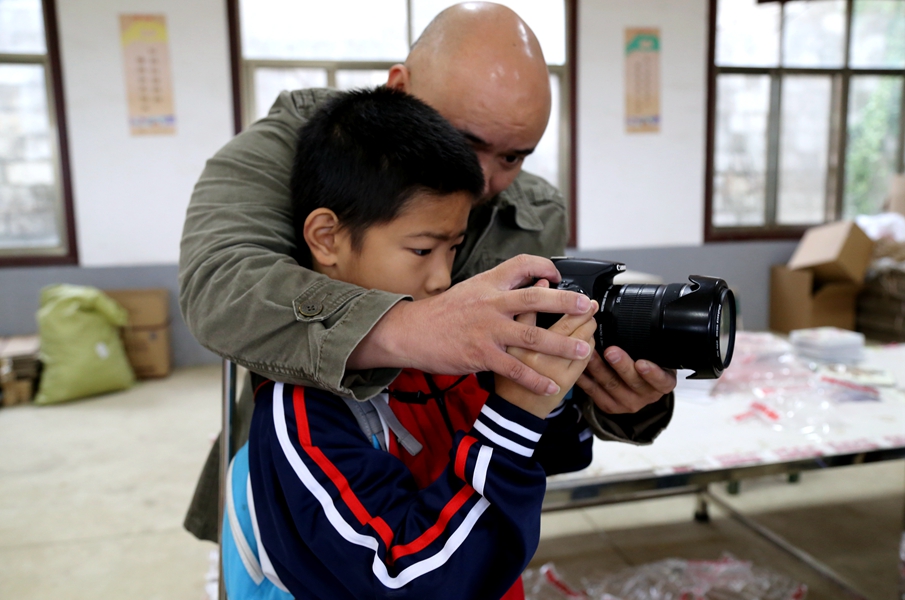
x: 672, y: 579
x: 81, y: 349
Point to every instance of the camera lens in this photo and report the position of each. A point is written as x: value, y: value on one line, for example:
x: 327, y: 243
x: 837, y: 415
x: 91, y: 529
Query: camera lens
x: 677, y: 325
x: 725, y: 332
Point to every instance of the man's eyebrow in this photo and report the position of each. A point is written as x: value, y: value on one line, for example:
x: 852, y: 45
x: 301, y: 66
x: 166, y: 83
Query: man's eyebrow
x: 474, y: 139
x: 434, y: 235
x: 481, y: 143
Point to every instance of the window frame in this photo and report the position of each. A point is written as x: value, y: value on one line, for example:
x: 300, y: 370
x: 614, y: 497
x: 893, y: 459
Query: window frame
x: 244, y: 102
x: 67, y: 252
x: 839, y: 76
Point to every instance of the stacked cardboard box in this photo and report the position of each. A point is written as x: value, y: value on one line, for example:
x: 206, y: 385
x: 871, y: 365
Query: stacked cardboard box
x: 147, y: 337
x: 881, y: 305
x: 820, y: 284
x: 19, y: 366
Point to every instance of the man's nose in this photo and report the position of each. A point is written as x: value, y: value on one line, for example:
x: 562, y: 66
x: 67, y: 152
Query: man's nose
x: 489, y: 172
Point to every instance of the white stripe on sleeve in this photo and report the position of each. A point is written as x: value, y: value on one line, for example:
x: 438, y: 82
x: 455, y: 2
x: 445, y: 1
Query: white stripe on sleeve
x: 501, y: 441
x: 482, y: 463
x: 508, y: 425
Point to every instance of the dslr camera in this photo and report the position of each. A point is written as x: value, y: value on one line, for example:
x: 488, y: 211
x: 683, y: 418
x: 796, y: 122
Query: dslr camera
x: 676, y: 326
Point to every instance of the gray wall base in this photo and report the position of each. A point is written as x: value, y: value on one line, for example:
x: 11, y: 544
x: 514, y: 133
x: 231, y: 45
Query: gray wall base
x: 745, y: 265
x: 20, y: 289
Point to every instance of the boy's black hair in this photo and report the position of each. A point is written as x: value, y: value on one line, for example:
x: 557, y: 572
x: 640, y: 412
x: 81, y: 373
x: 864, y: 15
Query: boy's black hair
x: 367, y: 152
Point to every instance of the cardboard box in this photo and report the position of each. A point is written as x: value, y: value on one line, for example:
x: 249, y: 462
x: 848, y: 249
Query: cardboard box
x: 897, y: 193
x: 17, y: 391
x: 834, y: 252
x: 148, y: 350
x: 146, y: 308
x: 799, y: 301
x: 147, y: 337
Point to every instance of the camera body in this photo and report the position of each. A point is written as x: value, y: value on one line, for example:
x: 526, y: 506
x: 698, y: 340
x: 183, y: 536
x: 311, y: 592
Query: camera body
x: 677, y: 325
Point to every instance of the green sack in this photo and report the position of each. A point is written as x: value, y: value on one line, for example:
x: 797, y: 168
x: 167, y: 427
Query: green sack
x: 81, y: 349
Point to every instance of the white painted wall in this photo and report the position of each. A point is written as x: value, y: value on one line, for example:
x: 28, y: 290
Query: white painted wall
x: 641, y: 190
x: 131, y: 192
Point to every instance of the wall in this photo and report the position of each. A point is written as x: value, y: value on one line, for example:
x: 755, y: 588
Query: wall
x: 131, y: 192
x: 21, y: 289
x: 640, y: 196
x: 641, y: 190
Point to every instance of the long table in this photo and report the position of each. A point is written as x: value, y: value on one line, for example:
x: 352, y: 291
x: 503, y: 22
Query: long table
x: 711, y: 441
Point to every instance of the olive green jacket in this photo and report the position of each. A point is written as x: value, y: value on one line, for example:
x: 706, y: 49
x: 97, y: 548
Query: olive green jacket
x: 246, y: 299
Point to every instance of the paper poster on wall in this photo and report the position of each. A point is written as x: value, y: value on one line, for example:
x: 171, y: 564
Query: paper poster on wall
x: 149, y: 81
x: 642, y: 80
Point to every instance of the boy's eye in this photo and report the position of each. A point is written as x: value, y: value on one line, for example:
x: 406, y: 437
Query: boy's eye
x: 512, y: 159
x: 421, y: 252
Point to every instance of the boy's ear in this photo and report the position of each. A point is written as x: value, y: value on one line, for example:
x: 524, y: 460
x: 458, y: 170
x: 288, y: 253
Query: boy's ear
x: 322, y: 236
x: 399, y: 78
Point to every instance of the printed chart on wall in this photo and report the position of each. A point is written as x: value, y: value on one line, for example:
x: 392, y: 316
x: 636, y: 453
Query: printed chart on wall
x: 642, y: 80
x: 149, y: 82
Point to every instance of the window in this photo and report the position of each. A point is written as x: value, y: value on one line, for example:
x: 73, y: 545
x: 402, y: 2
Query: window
x: 292, y: 44
x: 805, y: 113
x: 36, y: 225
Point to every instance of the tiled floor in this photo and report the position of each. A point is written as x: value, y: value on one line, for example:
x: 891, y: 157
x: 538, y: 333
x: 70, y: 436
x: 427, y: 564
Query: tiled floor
x: 92, y: 496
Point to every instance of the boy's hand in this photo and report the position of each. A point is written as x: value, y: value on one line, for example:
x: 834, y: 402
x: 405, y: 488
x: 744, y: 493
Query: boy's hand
x: 563, y: 371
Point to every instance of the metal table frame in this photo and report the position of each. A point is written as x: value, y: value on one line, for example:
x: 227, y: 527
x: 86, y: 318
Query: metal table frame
x: 627, y: 487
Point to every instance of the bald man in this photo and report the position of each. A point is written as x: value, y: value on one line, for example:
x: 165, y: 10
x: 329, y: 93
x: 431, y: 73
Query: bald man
x: 246, y: 299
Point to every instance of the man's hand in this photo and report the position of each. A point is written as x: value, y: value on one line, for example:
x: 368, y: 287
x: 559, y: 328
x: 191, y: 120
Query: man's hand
x: 623, y: 385
x: 563, y: 371
x: 469, y: 327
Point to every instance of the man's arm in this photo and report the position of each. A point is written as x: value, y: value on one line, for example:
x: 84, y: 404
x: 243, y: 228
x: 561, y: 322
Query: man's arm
x: 241, y: 293
x: 245, y: 298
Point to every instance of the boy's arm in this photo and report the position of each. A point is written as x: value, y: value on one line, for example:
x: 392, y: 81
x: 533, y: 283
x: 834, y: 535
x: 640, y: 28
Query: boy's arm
x: 567, y: 443
x: 332, y: 510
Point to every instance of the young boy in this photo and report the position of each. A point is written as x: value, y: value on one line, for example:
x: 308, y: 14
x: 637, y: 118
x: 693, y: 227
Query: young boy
x: 434, y: 488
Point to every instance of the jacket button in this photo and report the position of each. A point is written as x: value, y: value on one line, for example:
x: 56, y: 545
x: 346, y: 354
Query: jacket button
x: 312, y: 309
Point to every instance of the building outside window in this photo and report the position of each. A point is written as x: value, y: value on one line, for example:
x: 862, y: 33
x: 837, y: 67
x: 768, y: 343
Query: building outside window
x: 345, y: 44
x: 806, y: 113
x: 36, y: 225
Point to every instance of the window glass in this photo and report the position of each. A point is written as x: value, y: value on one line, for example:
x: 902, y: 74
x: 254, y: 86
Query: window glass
x: 874, y: 114
x: 269, y: 82
x: 740, y: 161
x: 348, y: 79
x: 317, y: 30
x: 29, y: 201
x: 747, y: 33
x: 804, y: 145
x: 814, y: 34
x: 21, y: 27
x: 878, y: 34
x: 546, y: 18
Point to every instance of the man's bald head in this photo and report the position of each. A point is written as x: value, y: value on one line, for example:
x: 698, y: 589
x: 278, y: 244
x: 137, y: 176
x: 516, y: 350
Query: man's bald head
x: 482, y: 68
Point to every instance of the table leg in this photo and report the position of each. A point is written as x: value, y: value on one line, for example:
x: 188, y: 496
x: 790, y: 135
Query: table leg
x: 784, y: 544
x: 701, y: 512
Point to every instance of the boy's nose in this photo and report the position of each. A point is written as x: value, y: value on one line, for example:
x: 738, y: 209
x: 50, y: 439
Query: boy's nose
x: 439, y: 281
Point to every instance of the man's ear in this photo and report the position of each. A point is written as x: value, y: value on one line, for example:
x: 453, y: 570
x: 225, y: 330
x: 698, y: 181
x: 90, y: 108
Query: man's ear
x: 399, y: 78
x: 322, y: 234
